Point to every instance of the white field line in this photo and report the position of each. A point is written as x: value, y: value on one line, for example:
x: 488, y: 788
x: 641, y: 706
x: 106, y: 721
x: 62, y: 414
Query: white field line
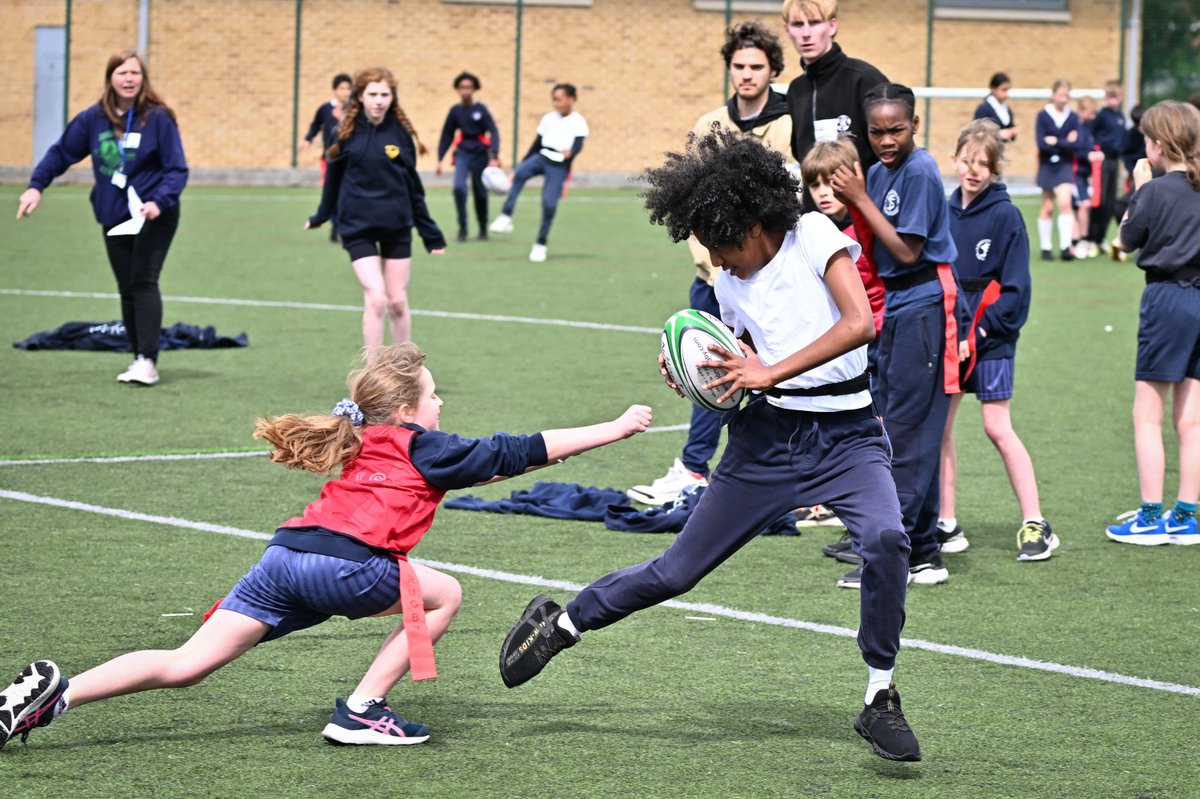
x: 201, y: 456
x: 318, y: 306
x: 180, y: 456
x: 693, y: 607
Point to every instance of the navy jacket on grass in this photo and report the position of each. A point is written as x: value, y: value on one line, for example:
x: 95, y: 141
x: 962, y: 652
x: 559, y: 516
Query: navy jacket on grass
x: 374, y: 186
x: 155, y: 167
x: 993, y: 245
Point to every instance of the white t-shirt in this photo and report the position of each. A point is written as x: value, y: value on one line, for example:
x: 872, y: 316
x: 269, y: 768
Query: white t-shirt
x: 559, y: 132
x: 785, y: 306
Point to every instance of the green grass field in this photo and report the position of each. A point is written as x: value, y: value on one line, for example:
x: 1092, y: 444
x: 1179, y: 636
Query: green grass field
x: 1075, y: 677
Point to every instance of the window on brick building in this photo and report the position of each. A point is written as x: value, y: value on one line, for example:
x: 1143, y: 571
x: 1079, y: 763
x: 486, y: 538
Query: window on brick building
x: 1017, y: 10
x: 560, y: 3
x: 741, y: 6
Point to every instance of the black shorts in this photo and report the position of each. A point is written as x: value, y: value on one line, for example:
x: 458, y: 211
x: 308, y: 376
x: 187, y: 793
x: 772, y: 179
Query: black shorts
x: 1169, y: 334
x: 391, y: 244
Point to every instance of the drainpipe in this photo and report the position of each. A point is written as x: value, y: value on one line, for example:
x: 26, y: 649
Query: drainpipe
x: 67, y: 70
x: 928, y: 65
x: 143, y: 45
x: 1133, y: 55
x: 296, y: 88
x: 517, y: 86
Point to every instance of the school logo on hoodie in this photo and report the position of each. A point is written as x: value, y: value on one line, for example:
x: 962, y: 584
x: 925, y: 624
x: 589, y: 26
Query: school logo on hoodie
x: 391, y: 150
x: 981, y: 249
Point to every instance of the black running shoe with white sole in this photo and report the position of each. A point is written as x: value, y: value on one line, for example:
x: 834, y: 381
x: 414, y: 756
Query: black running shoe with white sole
x: 1036, y: 541
x: 952, y: 541
x: 29, y: 701
x: 883, y: 724
x: 929, y: 572
x: 533, y: 641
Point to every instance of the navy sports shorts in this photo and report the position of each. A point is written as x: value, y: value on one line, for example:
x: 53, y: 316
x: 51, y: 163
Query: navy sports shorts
x: 991, y: 380
x: 291, y: 590
x: 1169, y: 333
x: 391, y: 244
x: 1051, y: 176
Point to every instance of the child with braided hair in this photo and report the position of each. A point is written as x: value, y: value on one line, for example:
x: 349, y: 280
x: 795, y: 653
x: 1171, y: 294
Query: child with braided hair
x: 345, y: 555
x: 372, y: 184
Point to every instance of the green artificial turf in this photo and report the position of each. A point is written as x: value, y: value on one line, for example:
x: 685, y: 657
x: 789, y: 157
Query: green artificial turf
x: 672, y: 702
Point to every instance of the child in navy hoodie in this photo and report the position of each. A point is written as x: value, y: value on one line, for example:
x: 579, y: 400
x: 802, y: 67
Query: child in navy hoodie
x: 134, y: 143
x: 993, y: 270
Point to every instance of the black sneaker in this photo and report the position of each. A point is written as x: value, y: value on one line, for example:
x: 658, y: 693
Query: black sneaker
x: 952, y: 541
x: 1036, y: 541
x: 483, y: 236
x: 851, y: 580
x: 533, y: 641
x: 929, y: 572
x: 1066, y: 254
x: 1047, y: 255
x: 841, y: 545
x: 849, y: 557
x: 883, y: 724
x: 462, y: 234
x: 29, y: 701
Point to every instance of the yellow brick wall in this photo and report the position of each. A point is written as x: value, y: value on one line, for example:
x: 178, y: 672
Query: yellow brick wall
x: 645, y: 69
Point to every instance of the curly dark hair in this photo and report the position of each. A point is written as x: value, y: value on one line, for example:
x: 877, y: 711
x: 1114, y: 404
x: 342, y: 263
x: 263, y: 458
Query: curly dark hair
x: 719, y: 188
x: 753, y: 34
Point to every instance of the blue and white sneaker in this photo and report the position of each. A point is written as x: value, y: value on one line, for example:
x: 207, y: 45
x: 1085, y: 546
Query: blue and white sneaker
x: 29, y: 701
x: 378, y: 724
x: 1140, y: 530
x: 1182, y: 533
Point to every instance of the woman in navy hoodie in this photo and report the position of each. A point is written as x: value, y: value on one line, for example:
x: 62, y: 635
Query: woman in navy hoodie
x: 134, y: 143
x: 373, y: 185
x: 993, y: 269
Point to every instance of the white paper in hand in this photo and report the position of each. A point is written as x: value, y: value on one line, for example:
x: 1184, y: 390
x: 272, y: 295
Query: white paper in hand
x: 131, y: 227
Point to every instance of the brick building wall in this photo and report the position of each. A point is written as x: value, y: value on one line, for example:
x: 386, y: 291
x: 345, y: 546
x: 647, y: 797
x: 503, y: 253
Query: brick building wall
x: 645, y: 69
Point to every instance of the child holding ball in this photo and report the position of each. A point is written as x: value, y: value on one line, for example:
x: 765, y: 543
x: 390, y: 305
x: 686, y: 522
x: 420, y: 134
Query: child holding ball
x: 993, y: 269
x: 346, y: 555
x: 789, y: 289
x: 1163, y: 221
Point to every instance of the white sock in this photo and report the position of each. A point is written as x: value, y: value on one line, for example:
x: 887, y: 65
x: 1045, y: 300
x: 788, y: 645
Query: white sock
x: 1039, y: 520
x: 877, y: 680
x: 948, y: 524
x: 564, y: 623
x: 360, y: 703
x: 61, y: 705
x: 1045, y: 234
x: 1066, y: 226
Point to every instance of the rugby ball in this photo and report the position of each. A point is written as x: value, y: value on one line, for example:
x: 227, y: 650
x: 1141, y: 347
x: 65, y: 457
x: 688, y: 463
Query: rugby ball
x: 496, y: 180
x: 685, y: 339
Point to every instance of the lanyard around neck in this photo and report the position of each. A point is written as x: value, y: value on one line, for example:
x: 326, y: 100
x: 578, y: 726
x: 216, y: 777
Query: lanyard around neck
x: 121, y: 140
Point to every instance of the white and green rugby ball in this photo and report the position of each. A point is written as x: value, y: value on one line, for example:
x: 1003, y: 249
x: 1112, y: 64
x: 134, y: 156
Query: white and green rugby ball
x: 685, y: 339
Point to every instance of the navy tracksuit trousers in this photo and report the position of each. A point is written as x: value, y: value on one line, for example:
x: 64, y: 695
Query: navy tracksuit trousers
x: 913, y: 402
x: 777, y: 460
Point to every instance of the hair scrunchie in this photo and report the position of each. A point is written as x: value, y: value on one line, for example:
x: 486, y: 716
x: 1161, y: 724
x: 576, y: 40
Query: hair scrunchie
x: 348, y: 407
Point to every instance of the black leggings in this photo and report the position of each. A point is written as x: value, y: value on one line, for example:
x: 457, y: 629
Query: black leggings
x: 136, y: 263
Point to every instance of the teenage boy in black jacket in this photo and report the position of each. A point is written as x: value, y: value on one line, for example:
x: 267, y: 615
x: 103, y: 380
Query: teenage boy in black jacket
x: 826, y: 101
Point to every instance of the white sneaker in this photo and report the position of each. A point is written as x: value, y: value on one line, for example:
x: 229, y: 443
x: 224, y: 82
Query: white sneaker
x: 140, y: 371
x: 538, y: 253
x: 668, y: 487
x: 502, y: 224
